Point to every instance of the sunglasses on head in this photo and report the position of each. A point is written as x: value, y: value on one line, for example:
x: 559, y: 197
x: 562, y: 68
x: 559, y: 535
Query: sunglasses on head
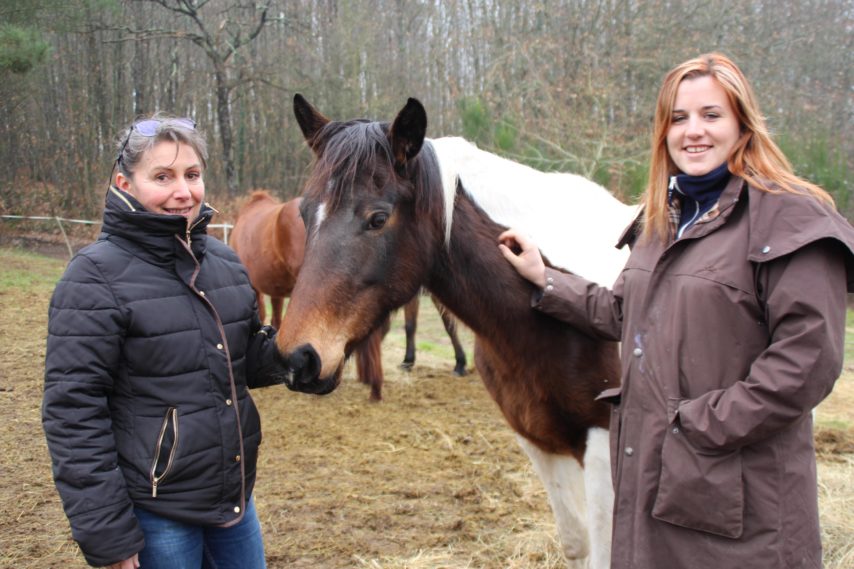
x: 149, y: 128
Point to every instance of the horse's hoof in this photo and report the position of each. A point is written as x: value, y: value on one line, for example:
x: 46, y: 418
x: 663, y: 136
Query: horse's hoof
x: 460, y: 372
x: 407, y: 366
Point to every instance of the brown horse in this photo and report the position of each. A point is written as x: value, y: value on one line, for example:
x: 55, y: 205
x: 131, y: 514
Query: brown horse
x: 269, y: 238
x: 386, y: 215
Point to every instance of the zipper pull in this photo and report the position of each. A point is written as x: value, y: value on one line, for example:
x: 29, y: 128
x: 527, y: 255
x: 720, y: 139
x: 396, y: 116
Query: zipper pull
x: 154, y: 489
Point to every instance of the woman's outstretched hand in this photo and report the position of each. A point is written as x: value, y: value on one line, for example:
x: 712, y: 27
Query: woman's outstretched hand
x: 528, y: 262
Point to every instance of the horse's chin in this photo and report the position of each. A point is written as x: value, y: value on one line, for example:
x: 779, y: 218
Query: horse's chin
x: 320, y: 385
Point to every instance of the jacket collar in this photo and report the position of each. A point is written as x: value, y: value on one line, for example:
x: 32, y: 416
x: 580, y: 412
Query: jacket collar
x: 152, y: 236
x: 728, y: 198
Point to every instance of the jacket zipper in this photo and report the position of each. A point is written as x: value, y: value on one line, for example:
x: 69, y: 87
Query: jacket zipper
x: 171, y: 413
x: 674, y: 185
x: 231, y: 381
x: 190, y: 229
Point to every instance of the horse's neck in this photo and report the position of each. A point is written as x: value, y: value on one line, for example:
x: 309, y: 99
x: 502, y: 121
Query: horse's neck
x: 472, y: 278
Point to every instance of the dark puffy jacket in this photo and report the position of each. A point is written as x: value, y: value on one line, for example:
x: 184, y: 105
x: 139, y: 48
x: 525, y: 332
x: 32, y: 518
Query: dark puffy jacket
x: 153, y: 339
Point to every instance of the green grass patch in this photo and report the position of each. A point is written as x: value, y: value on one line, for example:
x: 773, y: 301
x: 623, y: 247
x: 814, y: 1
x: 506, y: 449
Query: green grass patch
x: 21, y: 270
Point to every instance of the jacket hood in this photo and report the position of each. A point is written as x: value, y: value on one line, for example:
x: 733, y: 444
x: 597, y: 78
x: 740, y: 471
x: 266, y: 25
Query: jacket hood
x: 154, y: 236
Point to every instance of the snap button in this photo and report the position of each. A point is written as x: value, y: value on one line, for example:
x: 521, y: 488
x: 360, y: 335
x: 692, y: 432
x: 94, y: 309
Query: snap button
x: 228, y: 401
x: 550, y: 280
x: 629, y: 451
x: 236, y: 509
x: 637, y: 352
x: 549, y: 287
x: 237, y: 458
x: 675, y: 430
x: 219, y: 346
x: 766, y: 249
x: 201, y: 292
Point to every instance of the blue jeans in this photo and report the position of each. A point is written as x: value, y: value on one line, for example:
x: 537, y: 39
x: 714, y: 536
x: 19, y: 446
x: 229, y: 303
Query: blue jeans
x: 175, y: 545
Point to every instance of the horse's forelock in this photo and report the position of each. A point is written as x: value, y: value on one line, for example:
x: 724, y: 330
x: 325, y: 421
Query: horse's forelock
x: 349, y: 146
x: 346, y: 148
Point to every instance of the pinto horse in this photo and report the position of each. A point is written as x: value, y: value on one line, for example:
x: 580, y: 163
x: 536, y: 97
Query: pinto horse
x: 269, y: 238
x: 388, y: 212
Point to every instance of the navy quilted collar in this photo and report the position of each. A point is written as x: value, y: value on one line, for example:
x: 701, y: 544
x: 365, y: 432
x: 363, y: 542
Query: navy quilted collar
x: 155, y: 236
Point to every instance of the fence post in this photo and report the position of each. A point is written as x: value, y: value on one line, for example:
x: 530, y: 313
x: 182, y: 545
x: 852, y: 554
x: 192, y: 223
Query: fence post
x: 64, y: 236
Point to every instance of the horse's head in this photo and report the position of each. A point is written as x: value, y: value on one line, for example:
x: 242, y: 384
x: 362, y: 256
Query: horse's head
x: 365, y: 254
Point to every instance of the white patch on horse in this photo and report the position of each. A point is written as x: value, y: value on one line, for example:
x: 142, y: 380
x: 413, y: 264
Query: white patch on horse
x: 575, y: 222
x: 600, y: 496
x: 319, y: 217
x: 563, y: 480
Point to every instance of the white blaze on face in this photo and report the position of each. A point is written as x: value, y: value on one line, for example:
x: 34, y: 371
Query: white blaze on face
x: 319, y: 217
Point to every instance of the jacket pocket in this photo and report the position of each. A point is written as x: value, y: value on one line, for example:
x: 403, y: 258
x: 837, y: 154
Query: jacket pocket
x: 613, y: 397
x: 699, y: 490
x: 164, y: 450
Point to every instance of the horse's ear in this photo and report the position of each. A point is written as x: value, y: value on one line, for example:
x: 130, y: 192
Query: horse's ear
x: 310, y: 119
x: 407, y: 131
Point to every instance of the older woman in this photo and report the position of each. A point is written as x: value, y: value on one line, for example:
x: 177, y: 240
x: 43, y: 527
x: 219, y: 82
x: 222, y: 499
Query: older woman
x: 731, y: 311
x: 153, y: 341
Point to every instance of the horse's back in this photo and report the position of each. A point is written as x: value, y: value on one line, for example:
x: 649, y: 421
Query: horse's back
x: 574, y: 221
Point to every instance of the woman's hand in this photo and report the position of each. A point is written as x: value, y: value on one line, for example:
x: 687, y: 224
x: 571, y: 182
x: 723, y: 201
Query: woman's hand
x: 132, y: 563
x: 528, y: 262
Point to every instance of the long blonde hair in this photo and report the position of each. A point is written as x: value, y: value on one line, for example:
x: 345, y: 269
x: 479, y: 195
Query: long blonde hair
x: 755, y: 157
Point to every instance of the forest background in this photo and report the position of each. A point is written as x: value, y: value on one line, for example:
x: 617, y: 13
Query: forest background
x: 566, y: 85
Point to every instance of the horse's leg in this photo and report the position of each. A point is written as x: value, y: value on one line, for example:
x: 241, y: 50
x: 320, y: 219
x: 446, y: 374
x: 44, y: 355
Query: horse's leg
x: 451, y: 328
x: 563, y: 480
x: 369, y: 365
x: 262, y: 308
x: 600, y: 497
x: 410, y: 313
x: 277, y: 303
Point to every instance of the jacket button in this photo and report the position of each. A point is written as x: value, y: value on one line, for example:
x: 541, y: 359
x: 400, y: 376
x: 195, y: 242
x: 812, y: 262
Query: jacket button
x: 549, y: 287
x: 219, y: 346
x: 236, y: 509
x: 228, y: 402
x: 675, y: 430
x: 637, y: 352
x: 766, y: 249
x: 237, y: 458
x: 550, y: 280
x: 201, y: 292
x: 629, y: 451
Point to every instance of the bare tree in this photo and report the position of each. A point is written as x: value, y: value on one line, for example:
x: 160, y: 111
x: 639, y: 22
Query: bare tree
x: 221, y: 34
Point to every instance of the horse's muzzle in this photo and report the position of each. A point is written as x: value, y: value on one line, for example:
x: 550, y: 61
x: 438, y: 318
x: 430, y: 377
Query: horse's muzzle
x: 304, y: 372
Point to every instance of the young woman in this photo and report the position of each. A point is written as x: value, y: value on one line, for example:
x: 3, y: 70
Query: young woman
x: 731, y: 312
x: 153, y: 340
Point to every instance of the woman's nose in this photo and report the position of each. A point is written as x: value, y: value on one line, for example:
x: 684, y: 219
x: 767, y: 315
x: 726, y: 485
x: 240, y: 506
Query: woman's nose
x: 695, y: 127
x: 181, y: 189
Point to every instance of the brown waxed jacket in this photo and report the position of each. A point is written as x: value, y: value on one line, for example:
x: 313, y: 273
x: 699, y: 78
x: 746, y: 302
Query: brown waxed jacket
x: 730, y: 336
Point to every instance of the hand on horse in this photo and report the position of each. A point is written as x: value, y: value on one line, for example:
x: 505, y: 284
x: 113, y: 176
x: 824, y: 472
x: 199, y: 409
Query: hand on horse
x: 524, y: 255
x: 132, y: 563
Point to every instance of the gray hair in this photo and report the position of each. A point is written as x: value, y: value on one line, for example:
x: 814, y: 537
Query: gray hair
x: 132, y: 145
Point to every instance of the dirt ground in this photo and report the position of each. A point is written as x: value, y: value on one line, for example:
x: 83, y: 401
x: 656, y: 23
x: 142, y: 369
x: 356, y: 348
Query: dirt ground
x: 429, y: 478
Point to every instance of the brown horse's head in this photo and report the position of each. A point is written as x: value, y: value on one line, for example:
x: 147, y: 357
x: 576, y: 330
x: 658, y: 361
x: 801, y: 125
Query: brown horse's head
x: 365, y: 254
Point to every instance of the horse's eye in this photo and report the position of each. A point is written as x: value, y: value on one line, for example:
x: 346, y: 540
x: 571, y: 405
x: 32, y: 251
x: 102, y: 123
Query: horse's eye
x: 377, y: 220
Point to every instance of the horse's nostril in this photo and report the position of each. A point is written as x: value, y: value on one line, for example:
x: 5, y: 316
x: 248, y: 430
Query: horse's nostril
x: 305, y: 363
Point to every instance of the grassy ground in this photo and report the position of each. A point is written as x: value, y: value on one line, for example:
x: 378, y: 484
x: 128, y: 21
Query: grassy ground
x: 431, y: 477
